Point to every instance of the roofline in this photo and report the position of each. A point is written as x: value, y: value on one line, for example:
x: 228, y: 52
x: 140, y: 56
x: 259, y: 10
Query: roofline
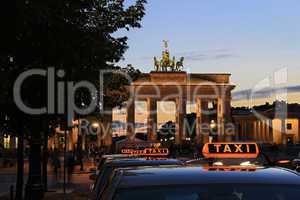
x: 206, y: 73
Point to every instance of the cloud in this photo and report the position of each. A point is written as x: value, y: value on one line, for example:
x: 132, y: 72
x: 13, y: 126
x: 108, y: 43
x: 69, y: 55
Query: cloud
x: 196, y: 57
x: 263, y: 93
x: 214, y: 54
x: 224, y: 55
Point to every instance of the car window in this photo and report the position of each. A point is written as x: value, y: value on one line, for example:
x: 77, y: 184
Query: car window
x: 212, y: 192
x: 101, y: 168
x: 107, y: 187
x: 103, y: 179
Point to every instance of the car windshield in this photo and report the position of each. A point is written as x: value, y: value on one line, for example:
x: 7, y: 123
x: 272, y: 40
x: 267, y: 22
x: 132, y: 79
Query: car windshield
x: 211, y: 192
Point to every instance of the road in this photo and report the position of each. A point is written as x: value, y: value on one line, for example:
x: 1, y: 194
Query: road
x: 79, y: 181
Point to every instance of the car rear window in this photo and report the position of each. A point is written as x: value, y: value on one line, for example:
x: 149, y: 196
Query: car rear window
x: 211, y: 192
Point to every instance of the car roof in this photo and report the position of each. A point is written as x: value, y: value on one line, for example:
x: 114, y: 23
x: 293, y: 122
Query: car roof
x: 142, y: 162
x: 165, y: 176
x: 116, y: 156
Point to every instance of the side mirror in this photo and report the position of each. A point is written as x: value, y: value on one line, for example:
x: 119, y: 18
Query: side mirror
x: 93, y: 177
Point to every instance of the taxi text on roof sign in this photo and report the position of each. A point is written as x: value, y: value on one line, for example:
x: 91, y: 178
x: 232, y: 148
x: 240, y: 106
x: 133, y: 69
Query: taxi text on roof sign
x: 147, y: 152
x: 230, y: 168
x: 230, y: 150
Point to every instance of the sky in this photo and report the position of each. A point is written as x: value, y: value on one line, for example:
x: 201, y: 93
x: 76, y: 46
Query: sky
x: 254, y: 40
x: 251, y: 39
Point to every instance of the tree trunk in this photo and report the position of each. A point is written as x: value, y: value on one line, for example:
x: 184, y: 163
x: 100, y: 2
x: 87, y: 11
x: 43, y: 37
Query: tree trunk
x: 45, y: 158
x: 34, y: 186
x: 20, y: 161
x: 45, y: 152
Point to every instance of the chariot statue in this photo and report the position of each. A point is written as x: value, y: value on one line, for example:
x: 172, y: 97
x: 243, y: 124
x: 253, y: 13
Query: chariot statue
x: 167, y: 64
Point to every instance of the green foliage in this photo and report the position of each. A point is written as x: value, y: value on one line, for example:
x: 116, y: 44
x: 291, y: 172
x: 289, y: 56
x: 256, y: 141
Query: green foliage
x: 73, y: 35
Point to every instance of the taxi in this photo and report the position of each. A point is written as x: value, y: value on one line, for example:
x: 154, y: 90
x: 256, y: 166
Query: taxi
x: 107, y: 157
x: 229, y: 154
x: 214, y: 181
x: 154, y: 157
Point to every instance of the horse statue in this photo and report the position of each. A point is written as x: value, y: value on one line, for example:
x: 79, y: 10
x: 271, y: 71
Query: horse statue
x: 157, y: 64
x: 165, y: 63
x: 179, y: 64
x: 172, y: 64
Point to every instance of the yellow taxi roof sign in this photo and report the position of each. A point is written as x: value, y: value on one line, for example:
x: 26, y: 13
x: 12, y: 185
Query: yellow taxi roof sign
x: 230, y: 150
x: 147, y: 152
x: 230, y: 168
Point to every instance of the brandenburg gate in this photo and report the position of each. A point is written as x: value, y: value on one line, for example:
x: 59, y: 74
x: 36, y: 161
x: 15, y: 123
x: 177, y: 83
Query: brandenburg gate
x: 169, y: 83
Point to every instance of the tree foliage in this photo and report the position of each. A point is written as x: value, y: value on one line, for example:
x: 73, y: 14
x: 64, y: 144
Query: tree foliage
x: 73, y: 35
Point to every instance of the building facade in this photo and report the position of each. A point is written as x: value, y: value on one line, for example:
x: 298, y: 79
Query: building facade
x: 180, y: 87
x: 268, y: 126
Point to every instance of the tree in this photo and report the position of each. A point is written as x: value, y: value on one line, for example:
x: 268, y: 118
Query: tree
x: 73, y: 35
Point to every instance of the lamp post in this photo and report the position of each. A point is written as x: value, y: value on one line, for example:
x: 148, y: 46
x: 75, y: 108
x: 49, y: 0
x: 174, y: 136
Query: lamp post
x: 213, y: 127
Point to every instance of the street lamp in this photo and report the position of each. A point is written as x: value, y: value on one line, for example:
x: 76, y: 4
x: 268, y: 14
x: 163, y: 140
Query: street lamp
x: 213, y: 125
x: 95, y: 125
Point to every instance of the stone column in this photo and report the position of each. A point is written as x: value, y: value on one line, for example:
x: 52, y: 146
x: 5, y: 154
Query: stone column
x: 205, y: 119
x: 260, y: 131
x: 283, y: 132
x: 271, y: 130
x: 199, y: 136
x: 265, y: 131
x: 130, y: 120
x: 107, y: 137
x: 298, y: 131
x: 220, y: 118
x: 242, y: 131
x: 202, y: 133
x: 267, y: 136
x: 255, y: 138
x: 151, y: 119
x: 180, y: 115
x: 251, y: 130
x: 257, y: 131
x: 239, y: 129
x: 262, y: 128
x: 245, y: 131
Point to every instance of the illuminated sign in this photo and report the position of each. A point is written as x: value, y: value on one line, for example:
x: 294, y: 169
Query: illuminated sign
x: 147, y: 152
x: 230, y: 150
x: 231, y: 168
x: 156, y: 152
x: 140, y: 144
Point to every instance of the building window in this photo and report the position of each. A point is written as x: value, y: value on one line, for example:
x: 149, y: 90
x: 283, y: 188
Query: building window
x: 6, y: 142
x: 289, y: 126
x: 210, y: 105
x: 16, y: 142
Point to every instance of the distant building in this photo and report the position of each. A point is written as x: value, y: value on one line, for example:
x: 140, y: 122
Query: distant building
x: 268, y: 124
x: 8, y: 141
